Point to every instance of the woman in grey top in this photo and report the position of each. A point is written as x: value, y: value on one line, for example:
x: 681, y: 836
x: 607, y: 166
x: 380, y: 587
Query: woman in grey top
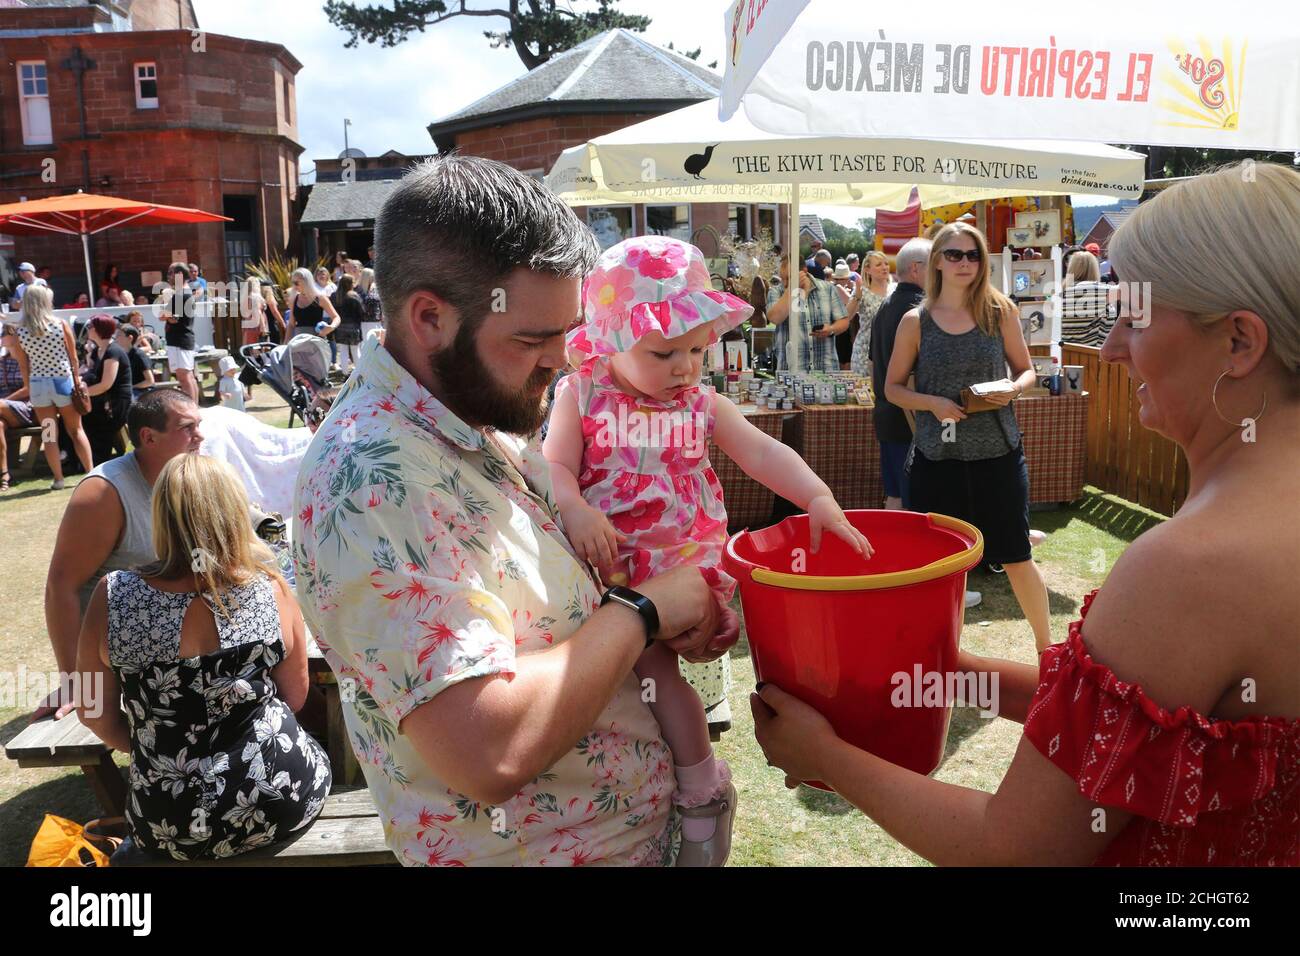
x: 970, y: 466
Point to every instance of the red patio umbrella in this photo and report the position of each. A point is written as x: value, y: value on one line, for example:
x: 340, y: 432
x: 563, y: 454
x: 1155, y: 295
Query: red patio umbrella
x: 85, y: 214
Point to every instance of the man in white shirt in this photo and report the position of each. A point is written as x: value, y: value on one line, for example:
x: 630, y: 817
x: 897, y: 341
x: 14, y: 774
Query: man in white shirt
x: 26, y: 272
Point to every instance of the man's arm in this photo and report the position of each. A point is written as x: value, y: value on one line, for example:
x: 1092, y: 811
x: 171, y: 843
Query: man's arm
x: 487, y: 737
x: 88, y: 533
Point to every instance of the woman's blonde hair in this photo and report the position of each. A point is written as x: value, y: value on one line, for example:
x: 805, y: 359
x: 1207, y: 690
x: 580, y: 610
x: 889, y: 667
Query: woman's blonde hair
x: 987, y: 305
x: 252, y: 290
x: 38, y: 310
x: 201, y: 526
x: 1083, y: 268
x: 1245, y: 218
x: 367, y: 279
x: 870, y: 259
x: 308, y: 280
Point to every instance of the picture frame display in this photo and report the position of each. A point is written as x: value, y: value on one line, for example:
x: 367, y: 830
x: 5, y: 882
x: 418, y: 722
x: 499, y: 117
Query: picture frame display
x: 1044, y: 224
x: 1018, y: 237
x: 1036, y: 321
x: 1031, y: 278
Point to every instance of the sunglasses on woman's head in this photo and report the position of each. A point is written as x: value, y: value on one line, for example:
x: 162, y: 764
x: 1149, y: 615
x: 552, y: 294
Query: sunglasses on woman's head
x: 956, y: 255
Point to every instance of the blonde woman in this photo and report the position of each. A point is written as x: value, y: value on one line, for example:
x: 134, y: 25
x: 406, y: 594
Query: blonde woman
x: 1085, y: 309
x: 308, y: 304
x: 208, y: 652
x: 871, y: 295
x: 43, y: 349
x: 369, y: 293
x: 1141, y: 712
x: 970, y: 466
x: 252, y: 310
x: 273, y: 307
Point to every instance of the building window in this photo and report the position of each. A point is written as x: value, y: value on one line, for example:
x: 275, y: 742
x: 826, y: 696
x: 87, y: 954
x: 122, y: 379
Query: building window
x: 146, y: 86
x: 739, y: 222
x: 769, y: 221
x: 672, y: 221
x: 34, y: 103
x: 611, y: 224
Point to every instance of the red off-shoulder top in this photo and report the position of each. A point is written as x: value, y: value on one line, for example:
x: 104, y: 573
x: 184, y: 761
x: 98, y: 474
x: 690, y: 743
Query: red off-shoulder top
x: 1205, y: 792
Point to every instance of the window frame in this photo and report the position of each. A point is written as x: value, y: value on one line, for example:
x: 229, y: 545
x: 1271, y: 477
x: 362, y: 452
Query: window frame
x: 24, y: 97
x: 630, y: 207
x: 143, y: 102
x: 690, y: 217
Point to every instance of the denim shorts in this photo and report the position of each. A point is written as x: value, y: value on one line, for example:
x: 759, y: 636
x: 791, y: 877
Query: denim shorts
x: 50, y: 390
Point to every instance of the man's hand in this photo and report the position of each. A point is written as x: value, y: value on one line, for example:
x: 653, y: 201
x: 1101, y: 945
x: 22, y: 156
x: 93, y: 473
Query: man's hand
x: 53, y: 704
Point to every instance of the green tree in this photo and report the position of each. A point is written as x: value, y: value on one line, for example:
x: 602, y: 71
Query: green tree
x: 537, y: 29
x: 1167, y: 162
x: 841, y: 240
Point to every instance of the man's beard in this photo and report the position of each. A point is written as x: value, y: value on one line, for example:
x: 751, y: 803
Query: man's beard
x: 470, y: 391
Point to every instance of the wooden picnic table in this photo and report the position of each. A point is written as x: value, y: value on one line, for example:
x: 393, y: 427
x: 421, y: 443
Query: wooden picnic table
x: 343, y: 760
x: 210, y: 357
x: 69, y: 743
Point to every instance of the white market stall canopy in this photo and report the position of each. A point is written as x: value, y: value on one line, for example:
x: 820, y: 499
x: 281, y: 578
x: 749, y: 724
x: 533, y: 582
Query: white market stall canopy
x: 689, y: 155
x: 1197, y: 73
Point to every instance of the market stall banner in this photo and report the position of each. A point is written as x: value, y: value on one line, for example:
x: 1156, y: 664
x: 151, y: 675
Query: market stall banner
x: 1199, y: 75
x: 690, y: 155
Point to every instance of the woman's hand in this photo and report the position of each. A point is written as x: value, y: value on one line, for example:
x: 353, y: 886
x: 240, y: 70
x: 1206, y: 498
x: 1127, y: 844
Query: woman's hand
x: 825, y: 514
x: 593, y: 537
x: 945, y: 409
x: 794, y: 736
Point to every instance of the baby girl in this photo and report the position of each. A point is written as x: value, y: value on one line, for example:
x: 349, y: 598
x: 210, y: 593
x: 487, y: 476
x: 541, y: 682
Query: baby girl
x: 628, y: 450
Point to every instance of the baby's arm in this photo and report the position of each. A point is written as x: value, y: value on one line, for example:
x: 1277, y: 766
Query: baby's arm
x: 780, y: 468
x: 590, y: 532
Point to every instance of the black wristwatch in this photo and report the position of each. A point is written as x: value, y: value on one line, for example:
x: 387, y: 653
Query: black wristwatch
x: 637, y: 602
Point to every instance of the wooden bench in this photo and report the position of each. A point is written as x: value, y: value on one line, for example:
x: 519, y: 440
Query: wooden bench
x: 68, y: 743
x: 347, y: 833
x: 23, y: 462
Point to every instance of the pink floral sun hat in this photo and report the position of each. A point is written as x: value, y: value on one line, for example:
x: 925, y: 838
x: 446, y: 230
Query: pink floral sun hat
x: 650, y: 284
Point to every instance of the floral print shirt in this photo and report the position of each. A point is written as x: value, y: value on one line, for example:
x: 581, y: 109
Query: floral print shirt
x: 428, y: 553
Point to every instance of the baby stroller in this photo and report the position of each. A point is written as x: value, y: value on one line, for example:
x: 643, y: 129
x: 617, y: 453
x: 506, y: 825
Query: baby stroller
x: 296, y: 371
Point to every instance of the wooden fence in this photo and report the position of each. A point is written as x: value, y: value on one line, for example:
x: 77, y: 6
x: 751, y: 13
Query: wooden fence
x: 1124, y: 458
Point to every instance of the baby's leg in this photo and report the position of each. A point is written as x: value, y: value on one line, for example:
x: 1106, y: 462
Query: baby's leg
x: 701, y: 777
x: 675, y: 704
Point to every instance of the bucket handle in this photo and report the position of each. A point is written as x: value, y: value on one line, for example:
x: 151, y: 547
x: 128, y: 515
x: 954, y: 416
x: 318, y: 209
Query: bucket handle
x: 961, y: 561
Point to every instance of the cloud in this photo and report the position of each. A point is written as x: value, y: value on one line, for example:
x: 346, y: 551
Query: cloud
x: 391, y: 95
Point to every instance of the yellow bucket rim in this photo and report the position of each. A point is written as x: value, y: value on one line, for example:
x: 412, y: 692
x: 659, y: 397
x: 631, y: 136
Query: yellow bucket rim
x: 960, y: 562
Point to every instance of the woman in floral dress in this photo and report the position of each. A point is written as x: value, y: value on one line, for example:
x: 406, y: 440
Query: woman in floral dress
x: 208, y: 651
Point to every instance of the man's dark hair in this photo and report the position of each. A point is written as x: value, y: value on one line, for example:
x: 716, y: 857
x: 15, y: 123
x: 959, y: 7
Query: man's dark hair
x: 152, y: 410
x: 457, y: 225
x: 130, y: 331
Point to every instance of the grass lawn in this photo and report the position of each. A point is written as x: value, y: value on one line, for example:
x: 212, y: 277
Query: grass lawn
x: 774, y: 826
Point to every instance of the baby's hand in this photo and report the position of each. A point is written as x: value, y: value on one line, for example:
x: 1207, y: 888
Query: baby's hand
x: 593, y: 536
x: 825, y: 515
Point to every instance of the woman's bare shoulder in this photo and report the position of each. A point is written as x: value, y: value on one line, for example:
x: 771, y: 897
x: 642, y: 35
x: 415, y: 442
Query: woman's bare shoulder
x: 1170, y: 617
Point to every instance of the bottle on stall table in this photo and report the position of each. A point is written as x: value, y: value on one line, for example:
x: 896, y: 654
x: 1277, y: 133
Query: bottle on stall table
x: 1054, y: 383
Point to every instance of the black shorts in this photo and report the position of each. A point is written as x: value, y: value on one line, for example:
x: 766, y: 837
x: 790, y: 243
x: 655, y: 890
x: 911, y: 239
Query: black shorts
x: 992, y: 494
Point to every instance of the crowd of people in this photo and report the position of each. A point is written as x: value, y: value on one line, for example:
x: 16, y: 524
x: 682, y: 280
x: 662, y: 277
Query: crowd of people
x: 501, y: 619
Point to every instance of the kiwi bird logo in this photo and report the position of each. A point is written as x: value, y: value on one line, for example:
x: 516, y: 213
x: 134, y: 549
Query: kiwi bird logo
x: 695, y: 163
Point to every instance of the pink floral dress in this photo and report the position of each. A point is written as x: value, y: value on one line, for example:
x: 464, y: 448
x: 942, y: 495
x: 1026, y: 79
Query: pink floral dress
x: 645, y: 465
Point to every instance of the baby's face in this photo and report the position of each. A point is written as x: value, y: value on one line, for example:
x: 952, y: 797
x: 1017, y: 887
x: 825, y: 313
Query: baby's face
x: 660, y: 368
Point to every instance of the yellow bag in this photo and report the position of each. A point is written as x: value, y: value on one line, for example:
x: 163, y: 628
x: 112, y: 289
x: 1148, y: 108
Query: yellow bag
x: 61, y: 842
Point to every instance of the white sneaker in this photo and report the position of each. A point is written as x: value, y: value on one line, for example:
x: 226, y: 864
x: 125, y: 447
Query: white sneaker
x: 57, y: 485
x: 973, y: 598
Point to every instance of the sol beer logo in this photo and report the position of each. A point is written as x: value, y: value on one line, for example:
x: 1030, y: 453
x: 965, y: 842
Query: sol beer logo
x: 1206, y: 86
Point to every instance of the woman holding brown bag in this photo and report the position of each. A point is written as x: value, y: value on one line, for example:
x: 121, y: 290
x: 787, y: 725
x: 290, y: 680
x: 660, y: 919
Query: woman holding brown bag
x: 46, y: 352
x: 968, y: 463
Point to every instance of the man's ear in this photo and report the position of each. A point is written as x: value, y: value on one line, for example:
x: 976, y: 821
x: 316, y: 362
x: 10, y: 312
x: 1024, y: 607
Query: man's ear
x: 431, y: 321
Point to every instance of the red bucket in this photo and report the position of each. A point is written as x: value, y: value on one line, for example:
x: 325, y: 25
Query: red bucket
x: 835, y: 629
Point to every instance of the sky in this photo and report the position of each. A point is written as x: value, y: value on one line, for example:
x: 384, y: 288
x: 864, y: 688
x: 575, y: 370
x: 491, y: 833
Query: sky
x: 391, y: 95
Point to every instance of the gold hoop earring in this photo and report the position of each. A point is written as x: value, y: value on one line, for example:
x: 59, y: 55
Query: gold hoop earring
x: 1214, y: 400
